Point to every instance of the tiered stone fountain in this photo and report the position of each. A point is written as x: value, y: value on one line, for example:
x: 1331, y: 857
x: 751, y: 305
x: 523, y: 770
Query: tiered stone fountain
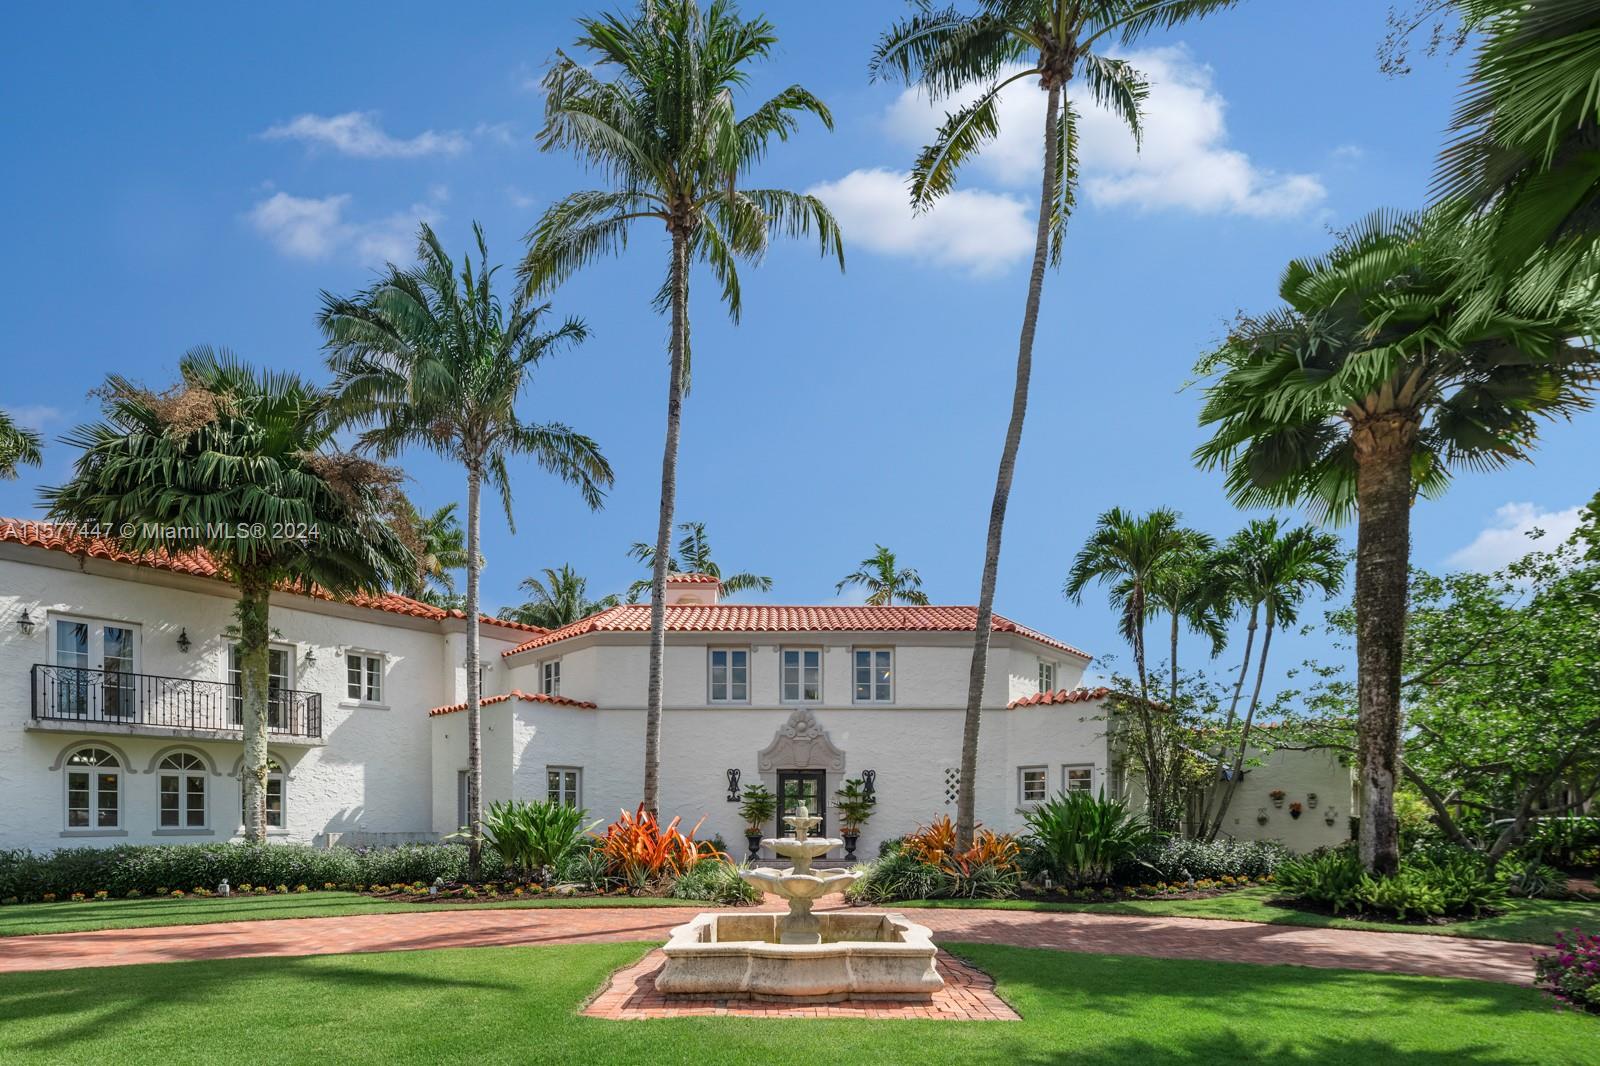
x: 801, y: 955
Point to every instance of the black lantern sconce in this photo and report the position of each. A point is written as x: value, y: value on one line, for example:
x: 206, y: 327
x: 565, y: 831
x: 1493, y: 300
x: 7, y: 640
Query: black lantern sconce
x: 311, y: 656
x: 869, y: 782
x: 184, y: 643
x: 733, y: 786
x: 25, y: 623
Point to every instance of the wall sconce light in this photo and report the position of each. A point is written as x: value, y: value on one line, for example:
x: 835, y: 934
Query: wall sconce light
x: 184, y: 642
x: 1311, y: 800
x: 311, y: 656
x: 25, y: 623
x: 733, y: 785
x: 869, y: 780
x: 1330, y: 815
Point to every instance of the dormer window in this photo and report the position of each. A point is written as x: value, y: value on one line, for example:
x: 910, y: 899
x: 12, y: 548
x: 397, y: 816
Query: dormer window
x: 1047, y: 676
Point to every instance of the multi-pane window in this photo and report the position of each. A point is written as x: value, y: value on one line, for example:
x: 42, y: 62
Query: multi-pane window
x: 183, y: 791
x: 363, y: 676
x: 275, y: 791
x: 1047, y: 676
x: 874, y: 675
x: 1033, y: 783
x: 94, y: 790
x: 802, y: 674
x: 564, y: 784
x: 95, y: 664
x: 730, y: 675
x: 1077, y: 778
x: 550, y: 678
x: 280, y: 681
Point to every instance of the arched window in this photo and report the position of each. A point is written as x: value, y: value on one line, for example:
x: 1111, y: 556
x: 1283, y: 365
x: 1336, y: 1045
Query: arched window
x: 94, y: 790
x: 276, y: 779
x: 183, y: 791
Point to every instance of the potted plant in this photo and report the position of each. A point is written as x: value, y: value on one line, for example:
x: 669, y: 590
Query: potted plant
x: 854, y: 804
x: 1294, y: 810
x: 757, y: 807
x: 1277, y: 797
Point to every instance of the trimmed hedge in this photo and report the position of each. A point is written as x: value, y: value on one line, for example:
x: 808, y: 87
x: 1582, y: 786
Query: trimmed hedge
x: 146, y: 867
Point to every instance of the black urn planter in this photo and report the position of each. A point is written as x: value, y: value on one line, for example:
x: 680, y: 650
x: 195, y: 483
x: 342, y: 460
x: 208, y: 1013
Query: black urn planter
x: 850, y: 839
x: 753, y: 840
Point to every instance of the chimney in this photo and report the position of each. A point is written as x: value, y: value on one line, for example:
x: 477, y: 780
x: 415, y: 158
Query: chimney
x: 692, y: 590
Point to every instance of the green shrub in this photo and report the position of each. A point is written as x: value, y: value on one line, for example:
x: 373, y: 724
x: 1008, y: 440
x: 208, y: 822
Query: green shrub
x: 1464, y: 884
x: 715, y: 881
x: 987, y: 880
x: 530, y: 836
x: 1560, y: 841
x: 1458, y: 886
x: 1079, y: 839
x: 901, y: 876
x: 1179, y: 859
x: 1333, y: 880
x: 1533, y: 879
x: 586, y: 867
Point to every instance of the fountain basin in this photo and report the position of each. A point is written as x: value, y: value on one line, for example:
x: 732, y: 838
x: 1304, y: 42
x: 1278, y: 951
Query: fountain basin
x: 861, y: 955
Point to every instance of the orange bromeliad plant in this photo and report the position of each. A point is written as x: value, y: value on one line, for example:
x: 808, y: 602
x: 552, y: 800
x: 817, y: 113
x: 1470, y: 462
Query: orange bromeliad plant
x: 639, y: 850
x: 935, y: 845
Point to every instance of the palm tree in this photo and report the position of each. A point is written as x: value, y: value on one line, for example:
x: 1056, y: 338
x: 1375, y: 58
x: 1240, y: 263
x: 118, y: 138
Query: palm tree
x: 1132, y: 555
x: 231, y: 448
x: 694, y: 557
x: 19, y: 446
x: 439, y: 544
x: 1190, y: 593
x: 944, y: 52
x: 1272, y: 570
x: 560, y: 598
x: 885, y: 580
x: 430, y: 358
x: 1382, y: 371
x: 664, y: 131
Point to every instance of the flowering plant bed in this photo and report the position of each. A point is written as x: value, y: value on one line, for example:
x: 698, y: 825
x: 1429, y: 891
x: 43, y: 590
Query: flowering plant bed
x: 1571, y: 973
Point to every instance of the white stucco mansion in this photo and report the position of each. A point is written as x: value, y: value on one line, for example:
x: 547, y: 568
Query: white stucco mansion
x: 119, y: 719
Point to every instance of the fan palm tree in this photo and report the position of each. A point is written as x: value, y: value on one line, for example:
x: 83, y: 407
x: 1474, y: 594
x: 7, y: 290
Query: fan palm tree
x: 885, y: 580
x: 19, y: 446
x: 228, y: 449
x: 429, y: 358
x: 665, y: 132
x: 1381, y: 372
x: 946, y: 53
x: 1272, y: 570
x: 1132, y: 555
x: 694, y: 557
x: 439, y: 544
x: 560, y: 598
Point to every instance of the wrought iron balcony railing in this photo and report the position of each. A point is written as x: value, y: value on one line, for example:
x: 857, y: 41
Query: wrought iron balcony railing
x: 76, y: 694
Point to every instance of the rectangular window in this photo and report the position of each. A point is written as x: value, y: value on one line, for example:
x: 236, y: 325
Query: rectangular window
x: 564, y: 785
x: 1077, y: 778
x: 802, y: 674
x: 550, y: 678
x: 280, y: 681
x: 1047, y: 676
x: 363, y: 674
x: 107, y: 807
x: 730, y: 675
x: 274, y: 798
x: 1033, y: 783
x: 874, y: 675
x: 78, y: 800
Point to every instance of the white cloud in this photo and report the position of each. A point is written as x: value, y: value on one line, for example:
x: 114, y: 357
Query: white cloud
x: 1349, y: 153
x: 313, y: 228
x: 357, y: 133
x: 1507, y: 538
x: 1184, y: 163
x: 34, y: 416
x: 982, y: 232
x: 519, y: 199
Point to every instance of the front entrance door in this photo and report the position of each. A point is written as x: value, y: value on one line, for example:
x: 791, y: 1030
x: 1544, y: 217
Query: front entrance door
x: 802, y: 786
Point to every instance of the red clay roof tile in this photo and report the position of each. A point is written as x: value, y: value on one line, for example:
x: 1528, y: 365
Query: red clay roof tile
x: 531, y: 697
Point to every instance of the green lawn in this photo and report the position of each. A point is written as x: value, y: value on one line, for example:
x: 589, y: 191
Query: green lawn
x: 1529, y: 921
x: 492, y: 1005
x: 24, y: 919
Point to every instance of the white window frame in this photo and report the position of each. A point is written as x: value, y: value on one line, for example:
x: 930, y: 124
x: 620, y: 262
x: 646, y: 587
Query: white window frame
x: 281, y: 776
x: 94, y: 773
x: 550, y: 677
x: 728, y: 683
x: 1043, y: 771
x: 1066, y: 779
x: 1046, y: 666
x: 183, y: 776
x: 872, y: 651
x: 285, y: 709
x: 364, y: 696
x: 562, y: 792
x: 800, y: 676
x: 95, y: 662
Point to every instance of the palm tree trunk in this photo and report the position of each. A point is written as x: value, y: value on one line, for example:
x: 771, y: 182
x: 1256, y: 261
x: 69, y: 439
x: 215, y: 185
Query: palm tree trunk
x: 966, y: 806
x: 669, y: 491
x: 1249, y: 718
x: 1154, y: 777
x: 255, y: 635
x: 1209, y: 826
x: 474, y: 716
x: 1383, y: 447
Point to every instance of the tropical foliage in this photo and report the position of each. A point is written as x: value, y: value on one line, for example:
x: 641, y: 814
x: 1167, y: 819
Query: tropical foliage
x: 1079, y: 839
x: 532, y: 837
x: 758, y: 807
x: 438, y: 543
x: 19, y: 446
x: 559, y: 598
x: 854, y: 804
x: 694, y: 557
x: 641, y: 852
x: 931, y: 863
x: 885, y: 580
x: 1453, y: 886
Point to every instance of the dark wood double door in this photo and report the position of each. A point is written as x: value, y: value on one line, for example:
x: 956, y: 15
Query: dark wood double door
x: 802, y: 786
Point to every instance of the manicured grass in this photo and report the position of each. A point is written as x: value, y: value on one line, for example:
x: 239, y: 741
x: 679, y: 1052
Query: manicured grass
x: 493, y: 1005
x: 25, y: 919
x: 1528, y: 921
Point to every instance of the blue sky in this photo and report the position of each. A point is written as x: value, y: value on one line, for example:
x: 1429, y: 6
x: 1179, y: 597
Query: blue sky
x: 187, y: 174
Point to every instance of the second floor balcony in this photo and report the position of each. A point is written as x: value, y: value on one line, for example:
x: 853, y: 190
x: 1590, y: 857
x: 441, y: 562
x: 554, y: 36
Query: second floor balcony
x: 77, y: 699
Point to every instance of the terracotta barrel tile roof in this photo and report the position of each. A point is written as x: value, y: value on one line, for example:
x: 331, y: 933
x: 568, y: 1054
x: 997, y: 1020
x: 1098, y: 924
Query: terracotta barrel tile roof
x: 531, y: 697
x: 1061, y: 695
x: 763, y: 618
x: 693, y: 579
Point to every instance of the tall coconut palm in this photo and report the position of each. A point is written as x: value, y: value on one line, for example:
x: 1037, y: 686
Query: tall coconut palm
x: 1132, y: 554
x: 559, y: 598
x: 1272, y: 570
x: 664, y: 131
x: 885, y: 580
x: 19, y: 446
x: 694, y: 557
x: 229, y: 449
x: 439, y: 544
x: 430, y: 358
x: 948, y: 53
x: 1382, y: 371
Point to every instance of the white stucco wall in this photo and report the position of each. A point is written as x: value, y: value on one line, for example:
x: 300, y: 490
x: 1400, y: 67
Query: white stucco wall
x: 1301, y: 775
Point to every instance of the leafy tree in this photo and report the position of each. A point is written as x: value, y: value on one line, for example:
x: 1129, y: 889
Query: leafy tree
x: 19, y: 446
x: 429, y: 358
x: 438, y: 543
x: 694, y: 557
x: 664, y: 132
x: 1382, y: 371
x: 947, y: 52
x: 885, y: 580
x: 560, y: 598
x: 232, y: 450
